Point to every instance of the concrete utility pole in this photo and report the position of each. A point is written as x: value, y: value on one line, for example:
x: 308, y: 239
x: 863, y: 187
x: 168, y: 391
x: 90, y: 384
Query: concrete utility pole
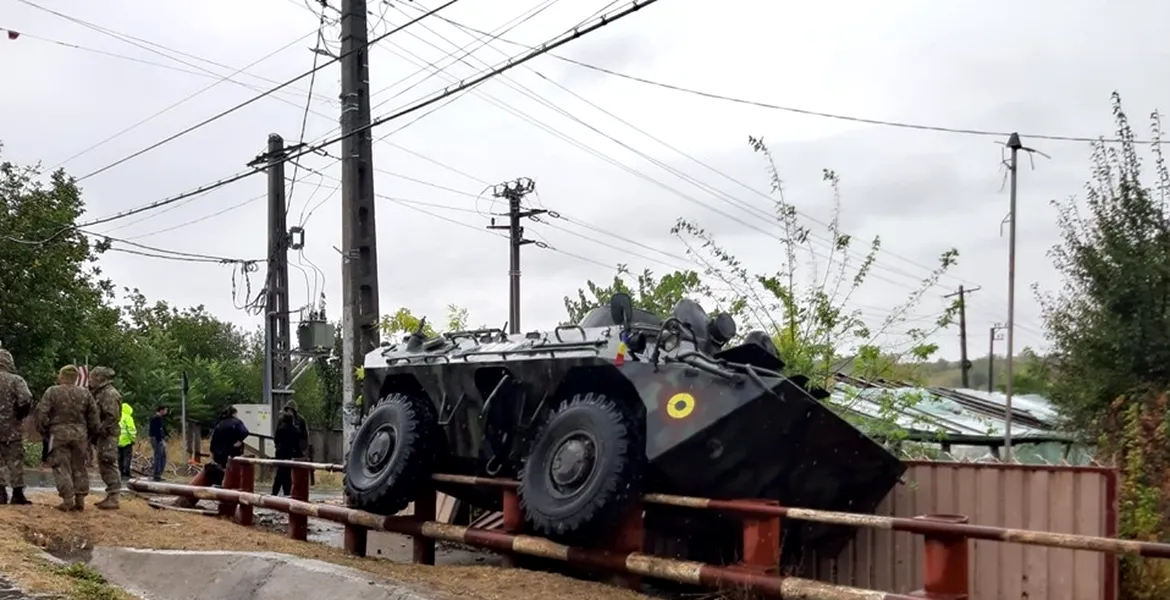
x: 992, y: 336
x: 276, y: 323
x: 964, y: 364
x: 1014, y: 145
x: 514, y: 192
x: 359, y: 235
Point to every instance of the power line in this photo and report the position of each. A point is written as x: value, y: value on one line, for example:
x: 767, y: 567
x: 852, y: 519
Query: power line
x: 154, y: 47
x: 188, y: 98
x: 249, y: 101
x: 808, y: 112
x: 446, y: 92
x: 717, y: 193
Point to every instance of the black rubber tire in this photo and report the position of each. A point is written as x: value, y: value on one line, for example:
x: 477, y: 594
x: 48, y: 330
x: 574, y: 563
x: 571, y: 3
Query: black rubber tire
x: 599, y: 503
x: 390, y: 486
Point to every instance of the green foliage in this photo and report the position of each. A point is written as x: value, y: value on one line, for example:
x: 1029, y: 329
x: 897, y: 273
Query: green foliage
x: 1110, y: 332
x: 88, y: 584
x: 803, y: 304
x: 52, y: 304
x: 55, y: 309
x: 1108, y: 323
x: 648, y: 292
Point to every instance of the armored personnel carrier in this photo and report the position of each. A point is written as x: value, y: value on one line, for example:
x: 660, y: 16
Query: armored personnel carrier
x: 590, y: 415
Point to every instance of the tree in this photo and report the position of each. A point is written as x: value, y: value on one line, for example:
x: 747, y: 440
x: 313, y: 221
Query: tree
x: 807, y: 314
x: 658, y: 296
x: 1109, y: 324
x: 52, y: 304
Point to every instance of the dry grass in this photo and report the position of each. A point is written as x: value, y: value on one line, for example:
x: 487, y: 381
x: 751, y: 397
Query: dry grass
x: 137, y: 525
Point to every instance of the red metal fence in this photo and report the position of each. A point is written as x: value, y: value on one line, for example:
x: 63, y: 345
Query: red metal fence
x: 946, y: 567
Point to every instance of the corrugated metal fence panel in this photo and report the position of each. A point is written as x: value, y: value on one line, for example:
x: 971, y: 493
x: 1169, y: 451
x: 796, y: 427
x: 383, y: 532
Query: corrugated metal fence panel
x: 1050, y: 498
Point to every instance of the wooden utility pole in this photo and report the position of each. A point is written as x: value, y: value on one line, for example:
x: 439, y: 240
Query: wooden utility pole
x: 992, y: 336
x: 514, y: 192
x: 964, y: 364
x: 1014, y: 145
x: 277, y: 359
x: 359, y: 241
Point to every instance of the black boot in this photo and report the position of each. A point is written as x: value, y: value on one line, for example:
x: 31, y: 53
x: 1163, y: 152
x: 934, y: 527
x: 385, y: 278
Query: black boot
x: 3, y: 495
x: 18, y: 496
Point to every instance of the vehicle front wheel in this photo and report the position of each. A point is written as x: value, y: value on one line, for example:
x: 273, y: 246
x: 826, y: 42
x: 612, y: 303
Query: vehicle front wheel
x: 583, y: 469
x: 393, y: 454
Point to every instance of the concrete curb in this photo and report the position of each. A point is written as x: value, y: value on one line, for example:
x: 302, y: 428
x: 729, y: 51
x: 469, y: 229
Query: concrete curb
x: 223, y: 575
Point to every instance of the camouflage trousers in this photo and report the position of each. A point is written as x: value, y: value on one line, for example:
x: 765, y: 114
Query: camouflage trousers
x: 69, y: 471
x: 107, y: 459
x: 12, y: 464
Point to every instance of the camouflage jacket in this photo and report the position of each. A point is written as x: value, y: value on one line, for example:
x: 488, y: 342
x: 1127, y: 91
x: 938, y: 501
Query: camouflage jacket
x: 15, y: 400
x: 68, y: 413
x: 109, y: 407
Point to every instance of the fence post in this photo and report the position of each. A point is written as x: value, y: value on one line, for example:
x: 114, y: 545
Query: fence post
x: 513, y: 520
x: 630, y: 536
x: 355, y: 540
x: 246, y: 482
x: 298, y: 525
x: 761, y: 542
x: 231, y: 481
x: 945, y: 565
x: 424, y: 510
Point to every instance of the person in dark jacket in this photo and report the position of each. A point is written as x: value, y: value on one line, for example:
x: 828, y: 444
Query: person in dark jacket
x: 158, y: 439
x: 288, y: 447
x: 303, y: 429
x: 227, y: 438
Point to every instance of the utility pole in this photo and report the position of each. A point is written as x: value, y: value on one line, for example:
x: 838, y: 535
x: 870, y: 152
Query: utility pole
x: 965, y: 365
x: 276, y: 322
x: 514, y: 192
x: 992, y: 336
x: 1014, y: 145
x: 359, y: 236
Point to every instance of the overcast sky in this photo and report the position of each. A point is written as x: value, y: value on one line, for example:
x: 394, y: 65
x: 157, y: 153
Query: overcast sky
x: 1042, y: 67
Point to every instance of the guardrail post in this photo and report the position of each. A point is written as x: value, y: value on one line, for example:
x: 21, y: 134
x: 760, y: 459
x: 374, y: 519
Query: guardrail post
x: 355, y: 540
x: 424, y: 510
x: 298, y: 525
x: 629, y: 537
x: 231, y: 481
x: 246, y: 482
x: 945, y: 567
x: 513, y: 520
x: 761, y: 542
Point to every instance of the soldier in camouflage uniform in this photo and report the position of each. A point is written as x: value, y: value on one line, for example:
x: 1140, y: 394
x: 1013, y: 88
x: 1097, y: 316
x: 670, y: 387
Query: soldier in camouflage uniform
x: 109, y: 405
x: 68, y: 417
x: 15, y: 404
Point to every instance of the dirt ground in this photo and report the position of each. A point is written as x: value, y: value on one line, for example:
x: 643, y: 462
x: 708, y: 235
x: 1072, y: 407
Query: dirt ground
x: 72, y: 535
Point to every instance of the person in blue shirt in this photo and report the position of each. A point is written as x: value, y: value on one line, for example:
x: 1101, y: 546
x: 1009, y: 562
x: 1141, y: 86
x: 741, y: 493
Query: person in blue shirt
x: 158, y: 440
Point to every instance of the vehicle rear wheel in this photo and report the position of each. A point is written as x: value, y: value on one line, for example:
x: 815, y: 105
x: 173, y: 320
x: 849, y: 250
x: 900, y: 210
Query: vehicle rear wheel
x: 393, y: 454
x: 583, y: 469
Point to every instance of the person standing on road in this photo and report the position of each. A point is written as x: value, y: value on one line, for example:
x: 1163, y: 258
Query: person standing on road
x: 128, y: 432
x: 227, y: 438
x: 288, y: 447
x: 158, y: 441
x: 306, y: 449
x: 109, y: 404
x: 68, y: 417
x: 15, y: 404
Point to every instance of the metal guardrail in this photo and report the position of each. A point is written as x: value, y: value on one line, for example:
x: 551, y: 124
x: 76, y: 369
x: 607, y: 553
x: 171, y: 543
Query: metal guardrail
x: 945, y: 559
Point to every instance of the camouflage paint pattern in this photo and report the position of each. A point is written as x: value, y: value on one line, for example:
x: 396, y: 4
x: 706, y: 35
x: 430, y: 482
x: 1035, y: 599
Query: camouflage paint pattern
x: 109, y: 408
x: 15, y: 404
x: 67, y: 413
x: 15, y: 399
x: 12, y: 464
x: 68, y: 416
x: 69, y: 471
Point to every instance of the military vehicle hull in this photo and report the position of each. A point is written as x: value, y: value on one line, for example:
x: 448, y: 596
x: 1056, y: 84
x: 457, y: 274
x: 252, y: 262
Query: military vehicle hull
x: 589, y: 417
